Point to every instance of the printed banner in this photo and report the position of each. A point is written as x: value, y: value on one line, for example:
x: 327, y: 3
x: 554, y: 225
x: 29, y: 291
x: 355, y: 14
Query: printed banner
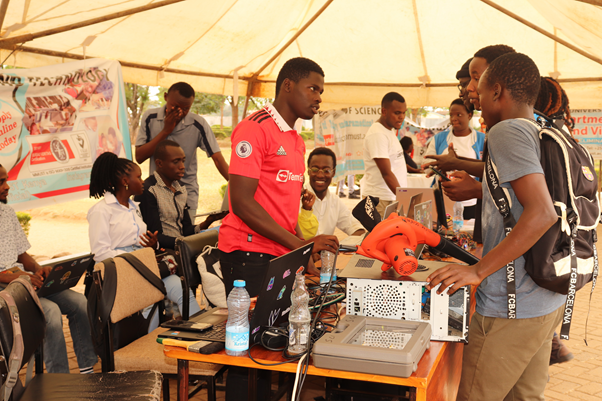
x: 343, y: 131
x: 588, y: 130
x: 54, y: 122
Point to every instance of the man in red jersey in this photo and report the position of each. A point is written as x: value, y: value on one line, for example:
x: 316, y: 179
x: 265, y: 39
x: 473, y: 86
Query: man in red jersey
x: 266, y: 179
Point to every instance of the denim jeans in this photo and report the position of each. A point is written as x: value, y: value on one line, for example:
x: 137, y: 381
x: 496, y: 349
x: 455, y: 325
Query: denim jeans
x: 74, y: 305
x: 173, y: 286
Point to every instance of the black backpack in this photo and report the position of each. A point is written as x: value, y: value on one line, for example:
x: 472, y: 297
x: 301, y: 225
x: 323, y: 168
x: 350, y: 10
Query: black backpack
x: 564, y: 259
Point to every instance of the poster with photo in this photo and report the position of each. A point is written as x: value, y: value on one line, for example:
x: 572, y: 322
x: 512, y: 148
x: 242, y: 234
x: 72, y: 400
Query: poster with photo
x: 54, y: 122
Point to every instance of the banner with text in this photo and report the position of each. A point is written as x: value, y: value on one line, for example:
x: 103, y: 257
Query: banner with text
x: 588, y: 130
x: 54, y: 122
x: 343, y: 131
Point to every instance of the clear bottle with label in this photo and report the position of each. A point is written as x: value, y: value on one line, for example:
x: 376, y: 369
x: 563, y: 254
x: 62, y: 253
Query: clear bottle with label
x: 458, y: 217
x: 326, y: 270
x: 299, y: 318
x: 237, y: 327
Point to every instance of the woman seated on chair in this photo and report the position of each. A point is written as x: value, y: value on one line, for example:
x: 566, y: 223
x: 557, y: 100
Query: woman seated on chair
x: 115, y: 222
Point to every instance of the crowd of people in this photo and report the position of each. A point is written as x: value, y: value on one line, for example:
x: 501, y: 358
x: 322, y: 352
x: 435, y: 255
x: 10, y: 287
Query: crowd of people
x: 273, y: 211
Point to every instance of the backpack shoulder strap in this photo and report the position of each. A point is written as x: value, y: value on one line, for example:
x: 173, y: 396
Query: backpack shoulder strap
x: 144, y: 271
x: 16, y: 354
x: 503, y: 204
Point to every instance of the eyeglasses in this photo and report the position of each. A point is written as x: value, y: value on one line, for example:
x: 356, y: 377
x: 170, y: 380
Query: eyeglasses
x: 326, y: 171
x: 462, y: 87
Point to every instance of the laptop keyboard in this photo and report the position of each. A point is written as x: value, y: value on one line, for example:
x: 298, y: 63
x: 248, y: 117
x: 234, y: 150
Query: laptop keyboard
x: 218, y: 331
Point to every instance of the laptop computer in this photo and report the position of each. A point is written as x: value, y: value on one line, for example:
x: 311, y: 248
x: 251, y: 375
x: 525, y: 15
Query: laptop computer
x: 392, y: 208
x: 223, y: 208
x: 272, y: 307
x: 66, y: 272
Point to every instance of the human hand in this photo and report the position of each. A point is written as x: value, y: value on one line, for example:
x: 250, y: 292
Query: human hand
x: 446, y: 162
x: 307, y: 199
x: 149, y: 239
x: 454, y: 277
x: 44, y: 271
x: 325, y: 242
x: 311, y: 268
x: 172, y: 117
x: 462, y: 187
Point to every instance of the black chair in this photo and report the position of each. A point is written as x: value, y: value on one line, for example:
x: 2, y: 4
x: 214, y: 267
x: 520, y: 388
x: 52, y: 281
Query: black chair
x: 144, y: 352
x: 187, y: 251
x: 61, y: 386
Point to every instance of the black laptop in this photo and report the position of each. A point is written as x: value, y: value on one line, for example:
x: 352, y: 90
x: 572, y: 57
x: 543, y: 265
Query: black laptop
x: 66, y: 272
x: 273, y: 302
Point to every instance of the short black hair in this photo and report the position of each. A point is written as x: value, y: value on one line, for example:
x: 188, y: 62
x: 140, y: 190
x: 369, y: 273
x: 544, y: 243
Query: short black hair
x: 553, y: 101
x: 161, y: 146
x: 183, y: 88
x: 296, y: 69
x: 323, y: 151
x: 517, y: 73
x: 107, y: 170
x: 389, y: 98
x: 406, y: 142
x: 490, y: 53
x: 460, y: 102
x: 464, y: 71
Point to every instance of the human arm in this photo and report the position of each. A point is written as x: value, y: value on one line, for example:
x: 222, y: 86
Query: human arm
x: 146, y: 150
x: 413, y: 170
x: 212, y: 218
x: 345, y: 220
x: 450, y: 161
x: 221, y: 164
x: 99, y: 234
x: 462, y: 187
x: 34, y: 271
x: 537, y: 217
x: 242, y: 199
x: 384, y: 166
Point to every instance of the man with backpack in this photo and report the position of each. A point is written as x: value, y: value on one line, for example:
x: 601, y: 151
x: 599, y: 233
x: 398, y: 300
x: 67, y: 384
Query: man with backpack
x: 510, y: 335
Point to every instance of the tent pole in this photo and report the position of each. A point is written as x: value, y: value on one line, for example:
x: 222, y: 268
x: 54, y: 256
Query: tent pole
x: 247, y: 98
x: 3, y: 8
x: 542, y: 31
x: 31, y: 36
x: 592, y: 2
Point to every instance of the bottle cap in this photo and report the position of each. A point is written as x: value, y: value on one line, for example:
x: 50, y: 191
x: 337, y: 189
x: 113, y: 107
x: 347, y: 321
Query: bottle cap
x: 239, y: 283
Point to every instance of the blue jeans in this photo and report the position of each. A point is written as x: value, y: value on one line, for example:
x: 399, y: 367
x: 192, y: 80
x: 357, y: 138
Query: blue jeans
x: 74, y: 305
x: 173, y: 286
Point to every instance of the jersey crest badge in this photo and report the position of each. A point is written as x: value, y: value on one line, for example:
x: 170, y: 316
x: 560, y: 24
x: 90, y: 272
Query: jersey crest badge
x: 244, y: 149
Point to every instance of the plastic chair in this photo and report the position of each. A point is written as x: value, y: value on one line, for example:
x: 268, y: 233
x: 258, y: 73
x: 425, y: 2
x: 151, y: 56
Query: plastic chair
x: 62, y: 386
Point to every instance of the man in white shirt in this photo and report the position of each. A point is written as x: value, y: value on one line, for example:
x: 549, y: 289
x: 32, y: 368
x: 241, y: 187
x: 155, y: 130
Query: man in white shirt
x: 384, y: 161
x: 328, y: 211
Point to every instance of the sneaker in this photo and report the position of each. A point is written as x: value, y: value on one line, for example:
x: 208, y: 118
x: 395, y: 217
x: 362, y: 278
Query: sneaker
x: 342, y: 195
x: 354, y: 195
x: 560, y: 352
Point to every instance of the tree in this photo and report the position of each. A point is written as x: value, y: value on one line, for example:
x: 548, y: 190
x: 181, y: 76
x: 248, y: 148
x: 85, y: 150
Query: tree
x: 137, y: 100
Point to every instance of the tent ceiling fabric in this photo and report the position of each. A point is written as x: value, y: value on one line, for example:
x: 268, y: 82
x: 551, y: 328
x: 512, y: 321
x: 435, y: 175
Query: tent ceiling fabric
x: 365, y: 48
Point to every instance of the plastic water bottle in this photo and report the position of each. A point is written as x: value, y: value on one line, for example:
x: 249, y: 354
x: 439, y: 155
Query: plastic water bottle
x: 299, y: 318
x: 237, y: 327
x: 458, y: 217
x: 327, y: 258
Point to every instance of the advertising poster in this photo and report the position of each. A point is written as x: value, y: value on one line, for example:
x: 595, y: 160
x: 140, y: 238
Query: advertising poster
x: 54, y: 122
x: 343, y: 131
x: 588, y: 130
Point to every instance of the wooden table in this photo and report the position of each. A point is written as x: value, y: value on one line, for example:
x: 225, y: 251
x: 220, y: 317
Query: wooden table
x: 436, y: 378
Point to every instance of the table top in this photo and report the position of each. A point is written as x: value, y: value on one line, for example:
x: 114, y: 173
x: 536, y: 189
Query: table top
x: 420, y: 378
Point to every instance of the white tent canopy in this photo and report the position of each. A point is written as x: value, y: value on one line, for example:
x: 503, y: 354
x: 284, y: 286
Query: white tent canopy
x: 366, y: 48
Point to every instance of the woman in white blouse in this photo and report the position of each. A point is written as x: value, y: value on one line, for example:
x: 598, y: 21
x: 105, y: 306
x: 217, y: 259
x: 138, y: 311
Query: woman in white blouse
x: 115, y: 222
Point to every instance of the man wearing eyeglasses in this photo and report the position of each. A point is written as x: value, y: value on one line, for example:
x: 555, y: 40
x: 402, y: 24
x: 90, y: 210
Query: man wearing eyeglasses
x: 328, y: 211
x: 463, y: 77
x: 384, y: 161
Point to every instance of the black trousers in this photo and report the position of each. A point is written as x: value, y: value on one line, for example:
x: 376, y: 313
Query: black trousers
x: 251, y: 267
